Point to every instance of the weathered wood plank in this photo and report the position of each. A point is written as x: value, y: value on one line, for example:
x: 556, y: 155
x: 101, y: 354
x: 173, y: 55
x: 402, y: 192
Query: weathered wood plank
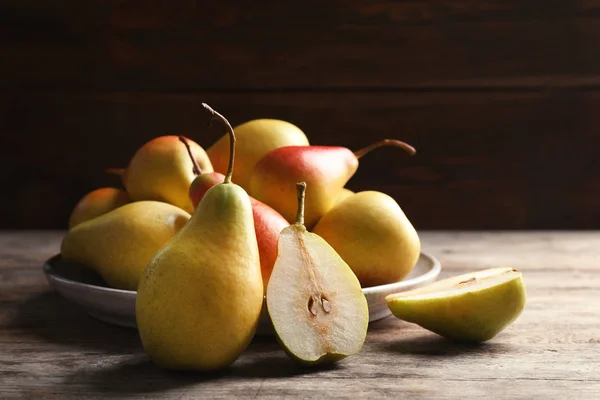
x: 484, y: 161
x: 51, y: 349
x: 197, y: 45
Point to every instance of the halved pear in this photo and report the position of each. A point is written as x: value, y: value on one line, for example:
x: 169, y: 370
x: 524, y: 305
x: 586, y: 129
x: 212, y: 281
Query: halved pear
x: 470, y: 307
x: 315, y: 301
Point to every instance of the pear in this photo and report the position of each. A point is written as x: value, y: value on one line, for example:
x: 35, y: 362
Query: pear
x: 97, y: 202
x: 161, y: 170
x: 268, y: 223
x: 372, y: 234
x: 344, y: 194
x: 119, y: 244
x: 200, y: 299
x: 315, y: 302
x: 325, y: 169
x: 255, y: 138
x: 471, y: 307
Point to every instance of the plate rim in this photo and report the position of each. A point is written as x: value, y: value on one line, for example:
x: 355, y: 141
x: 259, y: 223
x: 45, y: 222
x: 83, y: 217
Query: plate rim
x: 433, y: 272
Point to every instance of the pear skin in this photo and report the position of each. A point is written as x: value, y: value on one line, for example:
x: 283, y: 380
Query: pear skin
x: 325, y: 169
x: 97, y: 202
x: 200, y: 299
x: 472, y: 307
x: 119, y: 244
x: 315, y: 302
x: 268, y: 223
x: 344, y: 194
x: 254, y: 138
x: 161, y: 170
x: 372, y: 234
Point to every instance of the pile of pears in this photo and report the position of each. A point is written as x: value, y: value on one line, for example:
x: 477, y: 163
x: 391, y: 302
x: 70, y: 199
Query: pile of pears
x: 207, y: 249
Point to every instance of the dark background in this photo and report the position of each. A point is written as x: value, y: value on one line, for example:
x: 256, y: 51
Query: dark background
x: 501, y: 99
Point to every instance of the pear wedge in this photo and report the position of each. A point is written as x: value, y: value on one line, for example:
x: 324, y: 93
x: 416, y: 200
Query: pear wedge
x: 315, y: 302
x: 472, y: 307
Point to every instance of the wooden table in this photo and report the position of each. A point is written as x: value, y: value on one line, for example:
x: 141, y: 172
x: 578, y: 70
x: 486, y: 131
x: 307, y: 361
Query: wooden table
x: 50, y: 348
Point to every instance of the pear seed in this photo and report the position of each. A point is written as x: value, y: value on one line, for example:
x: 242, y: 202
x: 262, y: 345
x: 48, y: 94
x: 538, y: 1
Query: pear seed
x: 312, y: 307
x: 326, y: 305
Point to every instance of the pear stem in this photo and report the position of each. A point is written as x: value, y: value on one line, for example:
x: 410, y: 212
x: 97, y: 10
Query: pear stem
x: 196, y: 167
x: 385, y: 142
x: 216, y: 115
x: 301, y: 189
x: 115, y: 171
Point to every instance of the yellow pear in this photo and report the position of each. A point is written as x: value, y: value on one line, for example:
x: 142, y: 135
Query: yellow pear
x: 254, y: 139
x: 316, y: 304
x: 471, y: 307
x: 162, y: 170
x: 344, y: 194
x: 372, y: 234
x: 119, y: 244
x: 97, y: 202
x: 200, y: 299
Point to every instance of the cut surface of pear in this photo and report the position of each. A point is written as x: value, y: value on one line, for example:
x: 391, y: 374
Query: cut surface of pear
x: 469, y: 307
x: 315, y: 301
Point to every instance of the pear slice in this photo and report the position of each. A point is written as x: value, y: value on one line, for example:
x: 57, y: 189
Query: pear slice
x: 470, y: 307
x: 315, y: 301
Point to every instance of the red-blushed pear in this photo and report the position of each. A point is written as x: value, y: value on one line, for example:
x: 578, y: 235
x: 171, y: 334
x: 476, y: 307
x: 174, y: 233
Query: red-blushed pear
x: 161, y: 170
x: 254, y: 139
x: 268, y: 223
x: 325, y: 169
x: 96, y: 203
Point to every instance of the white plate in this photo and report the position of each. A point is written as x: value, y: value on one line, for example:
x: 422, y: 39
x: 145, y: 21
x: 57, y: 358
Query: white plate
x: 117, y: 306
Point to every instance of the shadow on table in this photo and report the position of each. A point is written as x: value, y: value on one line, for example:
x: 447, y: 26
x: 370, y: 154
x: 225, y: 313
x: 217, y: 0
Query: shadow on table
x: 138, y: 375
x: 51, y: 318
x: 429, y: 344
x: 117, y: 365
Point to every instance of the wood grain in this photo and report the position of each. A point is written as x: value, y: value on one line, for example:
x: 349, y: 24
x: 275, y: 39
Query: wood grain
x: 184, y: 45
x: 51, y: 349
x: 484, y: 160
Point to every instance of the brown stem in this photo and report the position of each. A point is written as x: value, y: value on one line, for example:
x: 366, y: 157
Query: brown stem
x: 196, y: 167
x: 385, y: 142
x: 216, y: 115
x: 115, y: 171
x: 301, y: 189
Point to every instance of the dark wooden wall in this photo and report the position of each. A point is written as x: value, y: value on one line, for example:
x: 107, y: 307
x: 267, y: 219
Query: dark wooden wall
x: 501, y: 99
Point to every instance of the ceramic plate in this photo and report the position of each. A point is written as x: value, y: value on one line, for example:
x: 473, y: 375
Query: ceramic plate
x: 117, y: 306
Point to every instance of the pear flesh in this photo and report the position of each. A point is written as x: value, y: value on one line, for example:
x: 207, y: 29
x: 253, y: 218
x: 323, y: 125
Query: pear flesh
x: 314, y: 300
x: 471, y: 307
x: 200, y: 299
x: 119, y: 244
